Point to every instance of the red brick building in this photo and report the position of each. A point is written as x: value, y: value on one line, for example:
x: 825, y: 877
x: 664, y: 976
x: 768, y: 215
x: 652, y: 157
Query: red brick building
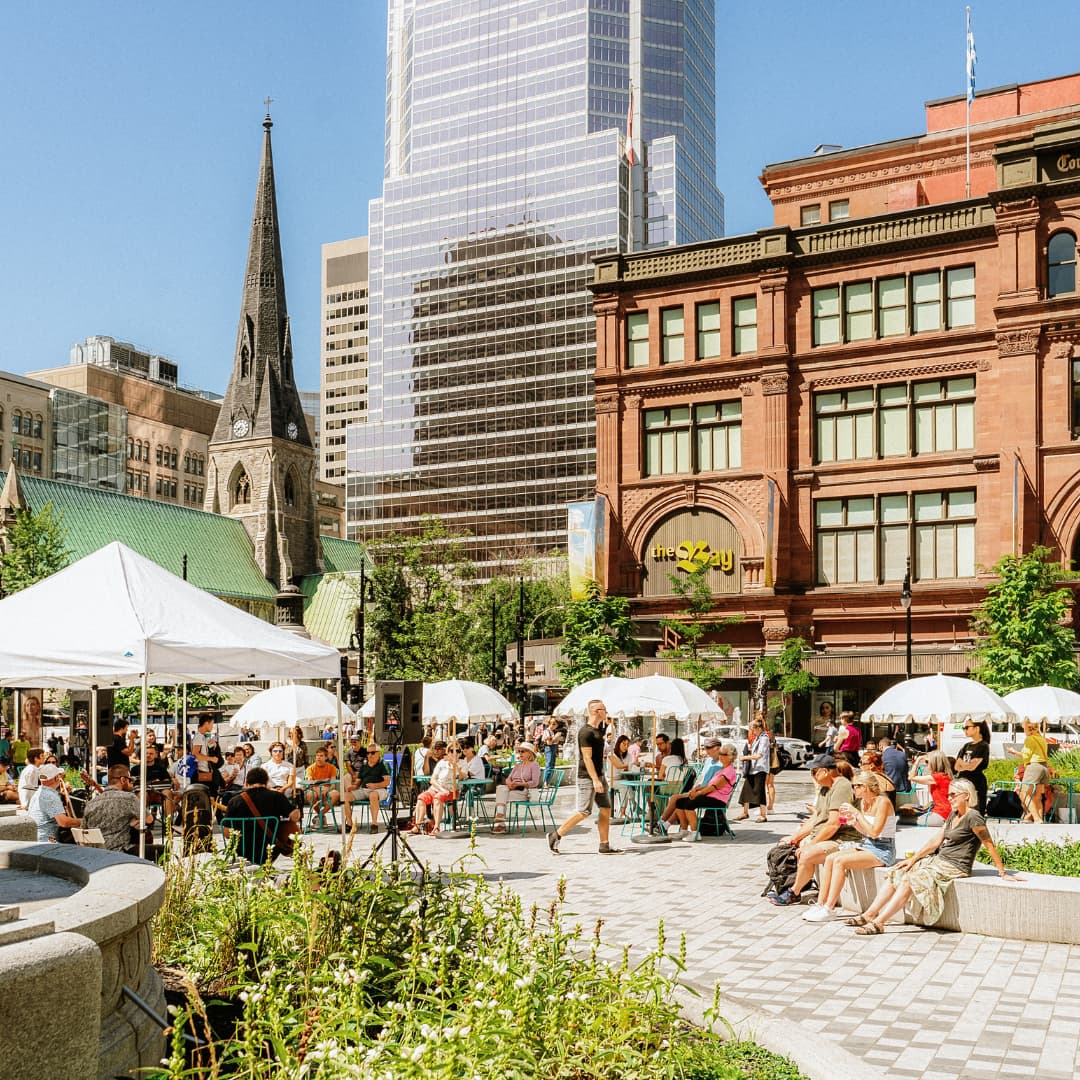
x: 890, y: 371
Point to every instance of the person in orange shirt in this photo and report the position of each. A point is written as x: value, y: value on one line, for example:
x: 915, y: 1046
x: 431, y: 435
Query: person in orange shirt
x: 321, y: 775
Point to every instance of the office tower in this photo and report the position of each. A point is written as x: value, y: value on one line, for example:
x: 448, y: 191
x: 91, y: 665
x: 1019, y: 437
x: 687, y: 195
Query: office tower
x: 343, y: 351
x: 507, y: 169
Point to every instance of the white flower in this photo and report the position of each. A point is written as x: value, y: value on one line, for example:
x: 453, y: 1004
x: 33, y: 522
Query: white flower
x: 418, y: 1053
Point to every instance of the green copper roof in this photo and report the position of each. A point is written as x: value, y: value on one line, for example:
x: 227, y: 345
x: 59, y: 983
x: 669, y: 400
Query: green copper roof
x: 220, y: 555
x: 342, y: 555
x: 329, y: 603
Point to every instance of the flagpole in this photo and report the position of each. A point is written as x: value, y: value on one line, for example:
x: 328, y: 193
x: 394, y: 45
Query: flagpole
x: 969, y: 52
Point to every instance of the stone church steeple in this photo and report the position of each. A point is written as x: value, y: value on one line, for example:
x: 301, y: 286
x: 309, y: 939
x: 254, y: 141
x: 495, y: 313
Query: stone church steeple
x: 261, y: 459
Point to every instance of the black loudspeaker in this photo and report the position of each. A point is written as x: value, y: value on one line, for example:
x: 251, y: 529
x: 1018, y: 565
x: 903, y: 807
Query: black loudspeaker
x: 399, y: 706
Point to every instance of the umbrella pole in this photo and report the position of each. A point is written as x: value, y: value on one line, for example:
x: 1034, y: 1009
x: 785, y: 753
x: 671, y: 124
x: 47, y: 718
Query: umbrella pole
x: 659, y: 837
x: 341, y: 769
x: 142, y: 771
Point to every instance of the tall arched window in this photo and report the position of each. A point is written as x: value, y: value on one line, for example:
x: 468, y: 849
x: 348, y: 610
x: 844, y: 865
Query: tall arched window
x: 242, y: 491
x: 290, y: 489
x: 1061, y: 264
x: 245, y: 362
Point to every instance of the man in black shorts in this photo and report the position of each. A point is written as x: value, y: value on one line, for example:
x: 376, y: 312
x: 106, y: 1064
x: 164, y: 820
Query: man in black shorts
x: 591, y: 782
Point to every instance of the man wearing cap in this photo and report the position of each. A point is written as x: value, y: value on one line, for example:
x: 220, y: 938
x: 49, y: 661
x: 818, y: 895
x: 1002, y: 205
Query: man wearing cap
x: 824, y: 831
x: 368, y: 779
x: 47, y: 807
x: 116, y: 810
x: 591, y: 781
x: 524, y: 777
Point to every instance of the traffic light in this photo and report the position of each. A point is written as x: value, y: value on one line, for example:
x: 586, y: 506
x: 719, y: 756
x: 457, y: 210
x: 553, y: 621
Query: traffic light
x: 345, y: 681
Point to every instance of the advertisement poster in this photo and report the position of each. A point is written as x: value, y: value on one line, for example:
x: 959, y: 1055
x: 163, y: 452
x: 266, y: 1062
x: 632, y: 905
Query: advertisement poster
x: 586, y: 543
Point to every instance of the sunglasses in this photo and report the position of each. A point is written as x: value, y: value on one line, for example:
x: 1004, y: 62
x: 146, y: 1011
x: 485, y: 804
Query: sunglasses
x: 373, y: 753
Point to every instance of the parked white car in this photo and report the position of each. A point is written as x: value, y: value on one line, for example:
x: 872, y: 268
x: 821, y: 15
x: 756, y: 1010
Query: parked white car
x: 799, y: 751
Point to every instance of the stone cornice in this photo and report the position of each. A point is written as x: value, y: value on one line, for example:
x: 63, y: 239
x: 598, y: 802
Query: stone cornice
x: 863, y: 179
x: 769, y: 251
x: 946, y: 367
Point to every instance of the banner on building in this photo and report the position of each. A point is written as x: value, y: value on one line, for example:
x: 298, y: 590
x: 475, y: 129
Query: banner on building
x: 586, y: 543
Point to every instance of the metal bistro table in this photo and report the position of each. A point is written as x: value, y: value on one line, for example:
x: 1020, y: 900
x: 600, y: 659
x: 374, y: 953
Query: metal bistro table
x: 637, y: 820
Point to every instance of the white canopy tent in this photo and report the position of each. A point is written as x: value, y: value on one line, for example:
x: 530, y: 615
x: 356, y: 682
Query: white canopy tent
x: 115, y: 618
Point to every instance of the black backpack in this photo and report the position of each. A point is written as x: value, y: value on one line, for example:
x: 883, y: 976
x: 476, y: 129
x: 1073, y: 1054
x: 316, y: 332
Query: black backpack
x: 1004, y: 804
x: 781, y: 865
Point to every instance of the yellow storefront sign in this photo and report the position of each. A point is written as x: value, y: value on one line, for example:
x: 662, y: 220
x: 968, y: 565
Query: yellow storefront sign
x: 691, y: 555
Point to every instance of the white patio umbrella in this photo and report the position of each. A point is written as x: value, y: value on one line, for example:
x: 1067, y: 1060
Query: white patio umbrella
x: 576, y: 703
x: 1045, y: 703
x: 937, y: 699
x: 666, y: 697
x: 289, y: 705
x: 458, y: 701
x: 461, y: 701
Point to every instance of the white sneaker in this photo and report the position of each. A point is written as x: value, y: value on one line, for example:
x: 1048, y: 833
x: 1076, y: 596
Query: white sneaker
x: 673, y: 828
x: 690, y: 837
x: 819, y: 913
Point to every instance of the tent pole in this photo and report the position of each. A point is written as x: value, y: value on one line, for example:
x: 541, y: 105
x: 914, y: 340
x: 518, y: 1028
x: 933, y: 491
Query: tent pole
x: 91, y: 765
x: 142, y: 771
x: 341, y: 769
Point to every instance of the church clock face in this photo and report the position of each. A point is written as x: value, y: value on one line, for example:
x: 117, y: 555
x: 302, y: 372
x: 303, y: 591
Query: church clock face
x: 292, y: 430
x: 240, y: 427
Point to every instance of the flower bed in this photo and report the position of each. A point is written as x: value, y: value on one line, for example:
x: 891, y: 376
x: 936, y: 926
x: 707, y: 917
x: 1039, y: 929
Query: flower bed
x: 1039, y: 857
x: 337, y: 974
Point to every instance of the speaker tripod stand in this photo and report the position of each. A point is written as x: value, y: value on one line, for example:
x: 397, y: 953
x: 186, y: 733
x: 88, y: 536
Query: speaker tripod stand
x: 397, y: 842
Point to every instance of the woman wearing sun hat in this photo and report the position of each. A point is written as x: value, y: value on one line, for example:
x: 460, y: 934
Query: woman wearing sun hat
x: 524, y: 777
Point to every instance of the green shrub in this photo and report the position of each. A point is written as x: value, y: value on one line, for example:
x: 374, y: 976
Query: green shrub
x: 1039, y: 857
x: 347, y: 974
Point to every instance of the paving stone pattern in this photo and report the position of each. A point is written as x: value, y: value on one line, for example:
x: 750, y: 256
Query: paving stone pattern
x: 912, y: 1003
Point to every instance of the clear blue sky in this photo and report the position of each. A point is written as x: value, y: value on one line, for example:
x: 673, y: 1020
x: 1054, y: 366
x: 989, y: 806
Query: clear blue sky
x: 130, y: 136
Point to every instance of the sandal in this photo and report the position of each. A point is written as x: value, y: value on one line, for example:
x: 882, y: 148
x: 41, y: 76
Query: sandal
x: 869, y: 930
x: 856, y: 920
x: 499, y: 827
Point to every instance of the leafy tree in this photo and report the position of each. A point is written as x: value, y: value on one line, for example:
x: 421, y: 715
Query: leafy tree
x: 692, y: 627
x: 127, y: 701
x: 1022, y: 626
x: 598, y: 630
x: 417, y: 624
x: 34, y: 548
x: 785, y: 673
x: 545, y: 600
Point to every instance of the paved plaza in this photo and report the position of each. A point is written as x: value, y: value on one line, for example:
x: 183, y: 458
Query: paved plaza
x: 912, y: 1003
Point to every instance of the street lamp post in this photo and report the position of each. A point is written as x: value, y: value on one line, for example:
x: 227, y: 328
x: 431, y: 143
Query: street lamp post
x: 905, y: 603
x: 356, y: 642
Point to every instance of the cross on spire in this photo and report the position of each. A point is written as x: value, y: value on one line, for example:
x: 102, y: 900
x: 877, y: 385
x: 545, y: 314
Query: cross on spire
x: 266, y: 101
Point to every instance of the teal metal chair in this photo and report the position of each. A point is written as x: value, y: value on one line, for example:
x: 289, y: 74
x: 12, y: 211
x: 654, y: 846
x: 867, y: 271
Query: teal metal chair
x: 253, y: 838
x: 541, y: 801
x: 321, y: 807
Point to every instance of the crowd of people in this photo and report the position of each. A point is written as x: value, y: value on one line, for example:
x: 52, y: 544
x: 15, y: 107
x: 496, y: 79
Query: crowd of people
x: 850, y: 826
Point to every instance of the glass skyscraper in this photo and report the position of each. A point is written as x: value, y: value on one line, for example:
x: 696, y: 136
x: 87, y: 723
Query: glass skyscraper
x: 506, y: 171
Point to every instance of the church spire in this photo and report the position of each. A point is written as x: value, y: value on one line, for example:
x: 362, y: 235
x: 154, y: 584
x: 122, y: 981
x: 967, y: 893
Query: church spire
x: 261, y: 400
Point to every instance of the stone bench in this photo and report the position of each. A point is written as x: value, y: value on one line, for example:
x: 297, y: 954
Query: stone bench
x: 1041, y: 907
